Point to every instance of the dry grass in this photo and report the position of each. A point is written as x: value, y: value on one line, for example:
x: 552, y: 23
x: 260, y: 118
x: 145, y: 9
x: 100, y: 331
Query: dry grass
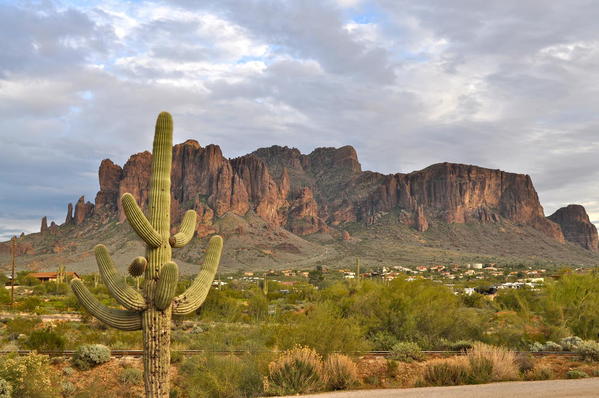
x: 296, y: 371
x: 491, y: 363
x: 340, y: 372
x: 445, y: 372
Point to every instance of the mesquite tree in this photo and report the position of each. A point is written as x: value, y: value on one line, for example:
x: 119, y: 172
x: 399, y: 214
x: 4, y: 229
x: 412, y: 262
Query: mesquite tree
x: 150, y: 308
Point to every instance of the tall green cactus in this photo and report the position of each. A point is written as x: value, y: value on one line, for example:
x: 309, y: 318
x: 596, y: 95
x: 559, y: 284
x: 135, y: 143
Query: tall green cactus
x: 151, y: 308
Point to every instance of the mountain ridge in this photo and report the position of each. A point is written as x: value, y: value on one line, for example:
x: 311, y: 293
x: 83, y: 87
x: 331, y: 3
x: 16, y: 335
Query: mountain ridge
x: 280, y: 204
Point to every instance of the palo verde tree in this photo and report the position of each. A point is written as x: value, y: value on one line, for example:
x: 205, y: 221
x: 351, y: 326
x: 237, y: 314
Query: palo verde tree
x: 150, y: 309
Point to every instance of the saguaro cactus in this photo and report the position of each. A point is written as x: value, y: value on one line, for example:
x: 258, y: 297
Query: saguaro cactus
x: 151, y: 308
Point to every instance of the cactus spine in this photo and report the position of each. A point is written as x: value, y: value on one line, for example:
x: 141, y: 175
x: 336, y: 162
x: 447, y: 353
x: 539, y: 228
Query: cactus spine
x: 151, y: 308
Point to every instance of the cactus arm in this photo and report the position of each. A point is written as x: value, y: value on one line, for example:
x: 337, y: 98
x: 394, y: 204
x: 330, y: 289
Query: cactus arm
x: 195, y: 295
x: 116, y: 284
x: 139, y: 222
x: 119, y: 319
x: 186, y: 231
x: 166, y: 285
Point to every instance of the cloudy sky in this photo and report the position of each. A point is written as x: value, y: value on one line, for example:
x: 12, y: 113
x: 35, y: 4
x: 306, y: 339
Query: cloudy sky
x: 510, y: 84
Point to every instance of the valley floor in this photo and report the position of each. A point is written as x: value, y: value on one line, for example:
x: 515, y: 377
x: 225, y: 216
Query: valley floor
x: 529, y: 389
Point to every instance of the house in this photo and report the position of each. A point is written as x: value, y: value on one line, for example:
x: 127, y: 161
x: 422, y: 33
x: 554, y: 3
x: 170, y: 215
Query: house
x: 52, y: 276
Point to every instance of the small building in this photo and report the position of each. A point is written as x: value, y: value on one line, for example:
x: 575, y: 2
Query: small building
x: 51, y: 276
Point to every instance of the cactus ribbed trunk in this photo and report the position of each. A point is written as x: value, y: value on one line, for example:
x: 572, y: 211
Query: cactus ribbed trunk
x: 156, y: 325
x: 151, y: 309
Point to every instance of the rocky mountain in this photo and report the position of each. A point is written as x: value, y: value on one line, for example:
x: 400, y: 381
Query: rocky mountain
x: 283, y: 195
x: 327, y: 188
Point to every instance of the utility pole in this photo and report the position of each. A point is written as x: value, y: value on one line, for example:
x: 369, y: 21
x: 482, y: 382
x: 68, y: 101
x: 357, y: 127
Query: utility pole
x: 357, y: 268
x: 13, y: 251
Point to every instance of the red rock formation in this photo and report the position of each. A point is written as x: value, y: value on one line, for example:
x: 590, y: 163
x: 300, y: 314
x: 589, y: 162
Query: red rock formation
x: 577, y: 227
x: 303, y: 214
x: 69, y: 219
x: 83, y: 211
x: 53, y: 229
x: 330, y: 189
x: 44, y: 226
x: 107, y: 198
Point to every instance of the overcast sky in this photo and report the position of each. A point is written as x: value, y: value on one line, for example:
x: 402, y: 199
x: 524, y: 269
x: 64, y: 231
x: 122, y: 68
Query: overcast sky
x: 510, y: 84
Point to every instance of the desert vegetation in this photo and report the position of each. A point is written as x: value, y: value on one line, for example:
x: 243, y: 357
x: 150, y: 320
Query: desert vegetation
x: 284, y: 339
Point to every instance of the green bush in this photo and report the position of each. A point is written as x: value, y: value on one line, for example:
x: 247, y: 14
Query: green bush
x: 296, y: 371
x: 576, y: 374
x: 588, y: 350
x: 383, y: 341
x: 340, y: 372
x: 445, y: 372
x: 89, y: 356
x: 5, y: 389
x: 406, y: 352
x: 45, y: 340
x: 131, y: 376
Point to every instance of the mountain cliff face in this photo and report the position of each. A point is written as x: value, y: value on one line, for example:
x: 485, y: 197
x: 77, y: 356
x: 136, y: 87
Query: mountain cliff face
x: 576, y: 226
x: 326, y: 189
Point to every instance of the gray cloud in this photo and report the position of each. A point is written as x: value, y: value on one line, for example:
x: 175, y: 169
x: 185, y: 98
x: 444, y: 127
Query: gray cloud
x: 509, y: 85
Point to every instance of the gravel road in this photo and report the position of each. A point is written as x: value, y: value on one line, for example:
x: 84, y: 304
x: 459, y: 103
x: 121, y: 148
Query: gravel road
x: 525, y: 389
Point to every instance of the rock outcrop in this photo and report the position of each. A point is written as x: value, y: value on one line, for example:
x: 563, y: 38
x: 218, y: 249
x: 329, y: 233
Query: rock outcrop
x: 44, y: 226
x: 326, y: 188
x: 576, y: 226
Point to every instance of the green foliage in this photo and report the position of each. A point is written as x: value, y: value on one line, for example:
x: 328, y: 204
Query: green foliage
x: 382, y: 341
x: 4, y: 294
x: 45, y: 340
x: 406, y: 351
x: 28, y: 376
x: 323, y: 328
x: 297, y: 371
x: 89, y: 356
x: 576, y: 374
x: 223, y: 377
x: 5, y: 389
x: 316, y: 277
x: 21, y: 325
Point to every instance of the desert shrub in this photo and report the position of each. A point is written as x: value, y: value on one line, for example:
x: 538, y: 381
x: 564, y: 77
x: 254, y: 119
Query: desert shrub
x: 570, y: 343
x: 45, y: 340
x: 226, y: 377
x: 176, y: 356
x: 89, y: 356
x: 324, y: 328
x: 588, y: 350
x: 406, y: 351
x: 19, y: 325
x: 28, y: 375
x: 131, y: 376
x: 536, y: 347
x: 525, y: 362
x: 491, y: 363
x: 445, y: 372
x: 383, y: 341
x: 539, y: 372
x: 552, y: 346
x: 68, y: 389
x: 296, y: 371
x: 5, y: 389
x: 68, y: 371
x: 576, y: 374
x: 461, y: 345
x: 340, y: 372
